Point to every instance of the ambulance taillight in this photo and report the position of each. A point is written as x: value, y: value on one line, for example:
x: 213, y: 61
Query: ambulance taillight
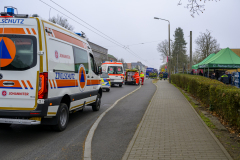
x: 43, y: 86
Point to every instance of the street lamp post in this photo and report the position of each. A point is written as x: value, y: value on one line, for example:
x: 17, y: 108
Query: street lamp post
x: 169, y: 62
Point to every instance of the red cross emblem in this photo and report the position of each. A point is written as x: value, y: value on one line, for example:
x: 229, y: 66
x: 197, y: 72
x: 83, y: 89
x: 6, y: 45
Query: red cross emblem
x: 56, y: 54
x: 4, y: 93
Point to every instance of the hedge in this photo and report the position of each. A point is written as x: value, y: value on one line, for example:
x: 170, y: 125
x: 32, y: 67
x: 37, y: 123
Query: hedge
x: 224, y: 99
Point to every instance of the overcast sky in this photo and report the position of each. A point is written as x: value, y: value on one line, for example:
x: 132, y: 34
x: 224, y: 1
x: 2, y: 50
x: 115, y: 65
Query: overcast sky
x: 131, y: 22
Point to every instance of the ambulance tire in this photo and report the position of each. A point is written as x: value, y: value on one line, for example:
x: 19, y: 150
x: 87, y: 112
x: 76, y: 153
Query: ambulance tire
x: 4, y: 125
x: 120, y: 85
x: 62, y: 118
x: 96, y: 105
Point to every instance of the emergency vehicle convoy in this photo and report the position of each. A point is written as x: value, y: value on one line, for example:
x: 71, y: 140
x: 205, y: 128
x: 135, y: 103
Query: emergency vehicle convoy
x: 115, y: 72
x: 46, y: 72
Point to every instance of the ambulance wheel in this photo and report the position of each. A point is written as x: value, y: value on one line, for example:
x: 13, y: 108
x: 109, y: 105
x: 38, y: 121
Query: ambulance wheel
x: 96, y: 105
x: 62, y: 118
x: 120, y: 85
x: 4, y: 125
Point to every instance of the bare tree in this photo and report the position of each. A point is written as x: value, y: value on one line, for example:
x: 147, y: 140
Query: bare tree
x: 162, y: 47
x: 195, y: 6
x: 206, y: 45
x: 121, y: 60
x: 62, y: 22
x: 196, y: 58
x: 100, y: 59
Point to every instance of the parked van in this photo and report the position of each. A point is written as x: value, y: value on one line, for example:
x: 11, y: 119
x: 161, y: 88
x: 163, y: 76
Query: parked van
x: 115, y: 72
x: 46, y: 72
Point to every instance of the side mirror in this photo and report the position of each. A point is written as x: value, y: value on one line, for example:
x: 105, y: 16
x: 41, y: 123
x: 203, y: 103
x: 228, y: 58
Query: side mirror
x: 99, y: 70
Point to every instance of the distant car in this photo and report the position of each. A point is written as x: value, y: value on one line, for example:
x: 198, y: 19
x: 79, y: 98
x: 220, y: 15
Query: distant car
x: 106, y: 84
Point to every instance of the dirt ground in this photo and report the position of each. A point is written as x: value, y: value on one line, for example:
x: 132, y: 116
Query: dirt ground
x: 229, y: 138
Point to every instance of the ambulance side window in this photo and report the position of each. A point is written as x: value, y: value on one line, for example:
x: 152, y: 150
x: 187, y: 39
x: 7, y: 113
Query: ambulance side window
x: 80, y: 57
x: 93, y: 65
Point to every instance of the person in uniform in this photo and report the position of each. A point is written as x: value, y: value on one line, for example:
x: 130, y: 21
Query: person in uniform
x: 160, y: 75
x: 142, y: 76
x: 224, y: 78
x: 165, y: 75
x: 136, y: 77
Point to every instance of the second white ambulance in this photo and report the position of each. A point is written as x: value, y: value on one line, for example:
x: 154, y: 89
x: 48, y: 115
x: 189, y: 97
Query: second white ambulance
x: 115, y: 72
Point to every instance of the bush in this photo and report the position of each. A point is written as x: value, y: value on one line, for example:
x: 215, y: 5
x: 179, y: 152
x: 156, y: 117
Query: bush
x: 224, y: 99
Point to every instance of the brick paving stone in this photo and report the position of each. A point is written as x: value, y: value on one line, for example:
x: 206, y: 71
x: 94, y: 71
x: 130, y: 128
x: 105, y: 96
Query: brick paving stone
x: 171, y: 129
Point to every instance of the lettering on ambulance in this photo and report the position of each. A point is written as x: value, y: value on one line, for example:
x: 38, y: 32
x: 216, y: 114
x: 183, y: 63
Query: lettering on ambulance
x: 65, y: 80
x: 14, y: 21
x: 65, y: 75
x: 61, y: 55
x: 65, y: 56
x: 4, y: 93
x: 19, y: 93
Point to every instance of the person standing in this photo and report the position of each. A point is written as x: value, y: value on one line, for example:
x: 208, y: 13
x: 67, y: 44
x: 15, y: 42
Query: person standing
x: 160, y: 75
x: 213, y: 76
x: 136, y: 77
x: 224, y: 78
x: 142, y: 76
x: 165, y: 75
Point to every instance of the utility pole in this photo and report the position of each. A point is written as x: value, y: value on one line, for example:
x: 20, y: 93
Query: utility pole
x: 190, y: 50
x: 169, y: 59
x: 169, y: 54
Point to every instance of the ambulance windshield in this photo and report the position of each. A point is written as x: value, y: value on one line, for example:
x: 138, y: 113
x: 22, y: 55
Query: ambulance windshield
x: 115, y: 70
x: 17, y: 52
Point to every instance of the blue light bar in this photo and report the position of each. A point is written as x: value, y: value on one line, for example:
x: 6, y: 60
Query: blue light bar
x: 79, y: 34
x: 10, y: 11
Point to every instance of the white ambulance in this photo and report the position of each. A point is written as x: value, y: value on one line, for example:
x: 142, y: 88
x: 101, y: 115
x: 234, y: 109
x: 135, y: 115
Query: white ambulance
x: 115, y: 72
x: 46, y: 72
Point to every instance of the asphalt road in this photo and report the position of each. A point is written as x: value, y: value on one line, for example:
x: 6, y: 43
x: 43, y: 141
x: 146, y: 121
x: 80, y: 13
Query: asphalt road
x: 40, y: 142
x: 118, y: 126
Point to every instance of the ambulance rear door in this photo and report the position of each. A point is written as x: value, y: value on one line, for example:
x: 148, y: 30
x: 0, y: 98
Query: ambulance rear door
x: 19, y: 63
x: 115, y: 72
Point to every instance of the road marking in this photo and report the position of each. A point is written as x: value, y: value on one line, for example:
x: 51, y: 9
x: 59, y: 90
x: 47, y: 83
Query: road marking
x: 88, y: 141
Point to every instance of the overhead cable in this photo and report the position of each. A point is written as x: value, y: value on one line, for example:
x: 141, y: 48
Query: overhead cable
x: 109, y: 38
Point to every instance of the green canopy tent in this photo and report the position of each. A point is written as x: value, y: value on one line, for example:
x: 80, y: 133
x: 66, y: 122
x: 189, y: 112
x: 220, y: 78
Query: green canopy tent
x: 196, y: 65
x: 224, y: 59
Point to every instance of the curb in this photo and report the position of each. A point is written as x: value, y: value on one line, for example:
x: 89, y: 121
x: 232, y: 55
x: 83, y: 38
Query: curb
x: 129, y: 148
x: 211, y: 133
x: 88, y: 142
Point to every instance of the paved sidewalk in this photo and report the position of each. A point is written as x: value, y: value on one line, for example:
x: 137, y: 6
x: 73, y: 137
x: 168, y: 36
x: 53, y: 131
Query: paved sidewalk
x: 171, y: 129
